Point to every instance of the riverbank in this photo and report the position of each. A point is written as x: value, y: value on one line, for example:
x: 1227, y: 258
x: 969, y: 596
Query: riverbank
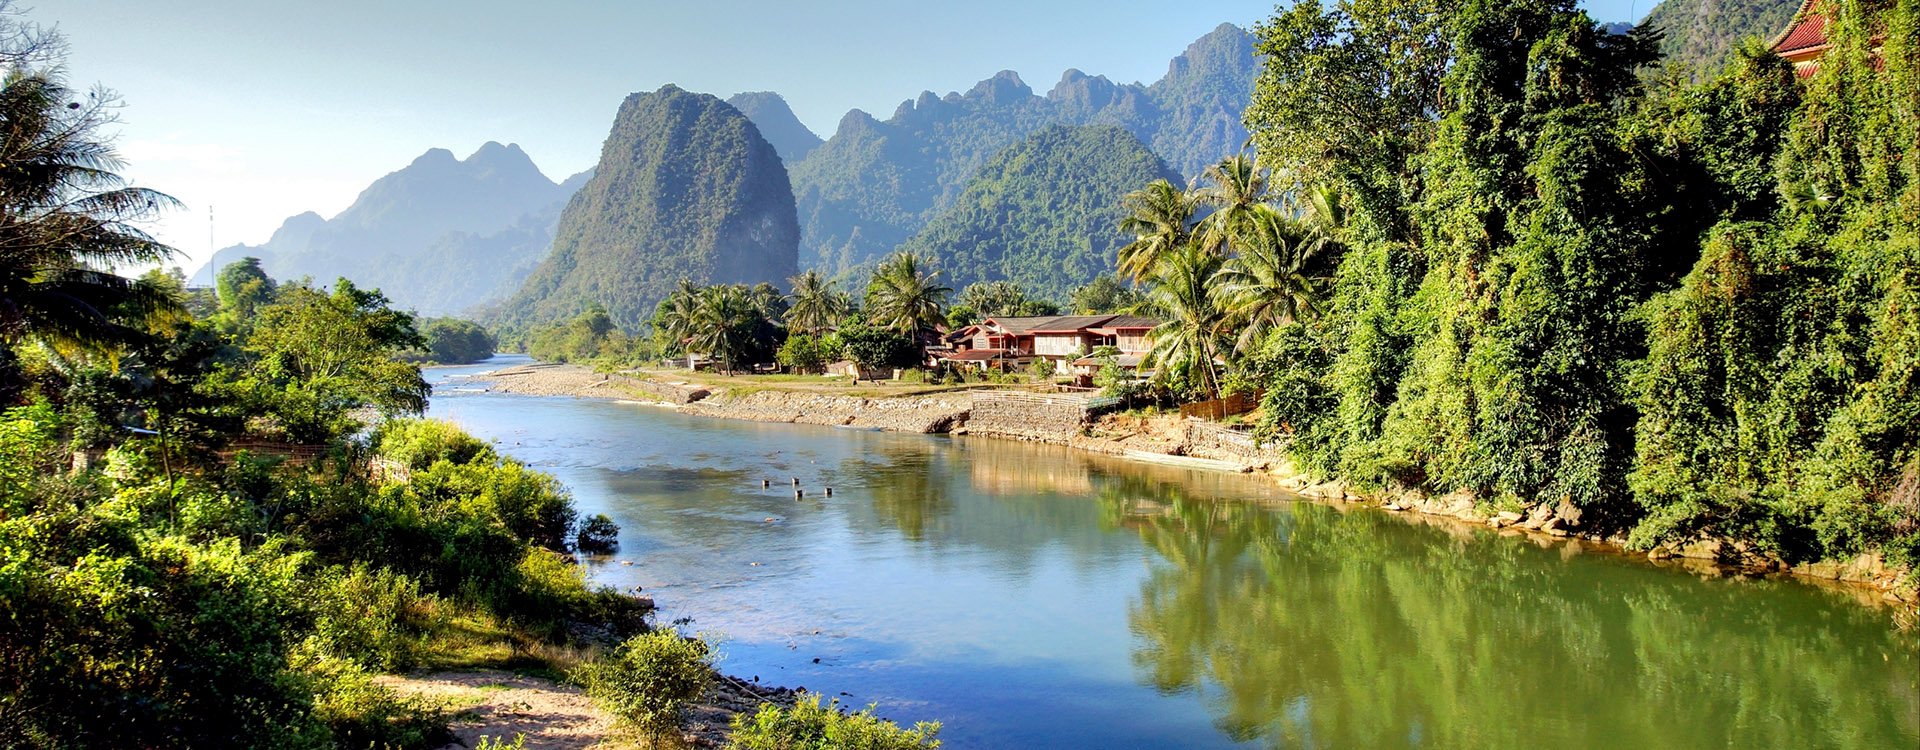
x: 504, y: 705
x: 1165, y: 438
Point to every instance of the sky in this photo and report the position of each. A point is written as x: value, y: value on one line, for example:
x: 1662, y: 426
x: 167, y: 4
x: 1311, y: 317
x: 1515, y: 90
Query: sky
x: 252, y: 111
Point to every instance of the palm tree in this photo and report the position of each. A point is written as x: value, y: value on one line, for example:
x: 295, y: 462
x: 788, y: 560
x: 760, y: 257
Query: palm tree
x: 817, y: 306
x: 1160, y: 218
x: 1265, y: 285
x: 66, y: 221
x: 1236, y: 185
x: 1190, y: 341
x: 906, y: 297
x: 723, y: 322
x: 673, y: 320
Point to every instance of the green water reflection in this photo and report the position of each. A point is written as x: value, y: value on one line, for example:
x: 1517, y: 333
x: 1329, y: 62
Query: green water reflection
x: 1310, y: 626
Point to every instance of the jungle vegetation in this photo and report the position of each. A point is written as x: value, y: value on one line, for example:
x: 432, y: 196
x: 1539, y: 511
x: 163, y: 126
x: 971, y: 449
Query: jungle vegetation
x: 1503, y: 261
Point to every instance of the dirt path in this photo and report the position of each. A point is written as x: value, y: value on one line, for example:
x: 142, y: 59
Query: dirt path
x: 503, y: 705
x: 556, y: 716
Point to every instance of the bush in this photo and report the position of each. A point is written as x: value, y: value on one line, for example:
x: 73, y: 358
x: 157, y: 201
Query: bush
x: 650, y: 679
x: 874, y: 348
x: 375, y: 617
x: 811, y: 726
x: 418, y: 443
x: 598, y: 535
x: 804, y: 354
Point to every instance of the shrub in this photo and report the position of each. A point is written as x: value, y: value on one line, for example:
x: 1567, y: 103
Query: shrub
x: 803, y: 353
x: 418, y: 443
x: 597, y: 535
x: 650, y: 678
x: 375, y: 617
x: 811, y: 726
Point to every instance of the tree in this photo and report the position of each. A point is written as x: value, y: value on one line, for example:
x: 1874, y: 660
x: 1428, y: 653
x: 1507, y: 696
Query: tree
x: 319, y: 355
x: 723, y: 325
x: 1003, y: 298
x: 451, y: 341
x: 243, y: 287
x: 872, y: 348
x: 65, y: 215
x: 817, y: 307
x: 673, y: 317
x: 905, y: 296
x: 804, y: 353
x: 1235, y: 186
x: 1106, y: 294
x: 1160, y: 218
x: 1265, y: 285
x: 1186, y: 348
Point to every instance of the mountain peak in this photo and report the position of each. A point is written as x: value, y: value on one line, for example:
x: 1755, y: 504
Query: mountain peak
x: 1003, y: 87
x: 435, y: 157
x: 777, y: 123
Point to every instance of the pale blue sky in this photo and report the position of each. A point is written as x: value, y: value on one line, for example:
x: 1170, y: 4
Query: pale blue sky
x: 268, y: 108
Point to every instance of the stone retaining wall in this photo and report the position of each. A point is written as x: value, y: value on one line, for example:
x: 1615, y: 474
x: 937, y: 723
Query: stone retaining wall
x: 1023, y: 416
x: 925, y: 414
x: 672, y: 393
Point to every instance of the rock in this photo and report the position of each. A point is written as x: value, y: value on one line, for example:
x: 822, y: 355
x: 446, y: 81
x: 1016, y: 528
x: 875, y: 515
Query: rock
x: 1506, y: 518
x: 1659, y: 553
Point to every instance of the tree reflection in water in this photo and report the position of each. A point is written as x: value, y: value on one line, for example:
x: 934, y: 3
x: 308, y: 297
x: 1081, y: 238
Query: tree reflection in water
x: 1311, y: 626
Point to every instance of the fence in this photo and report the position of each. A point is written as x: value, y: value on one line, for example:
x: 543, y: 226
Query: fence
x: 1221, y: 408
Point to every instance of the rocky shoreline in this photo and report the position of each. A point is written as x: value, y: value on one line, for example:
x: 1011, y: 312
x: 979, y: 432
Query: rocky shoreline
x: 1168, y: 439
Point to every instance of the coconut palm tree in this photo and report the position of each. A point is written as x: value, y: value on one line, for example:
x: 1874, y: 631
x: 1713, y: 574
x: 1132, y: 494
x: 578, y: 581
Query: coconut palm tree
x: 66, y: 222
x: 1235, y: 186
x: 673, y: 320
x: 723, y: 324
x: 1190, y: 341
x: 906, y: 296
x: 1160, y: 218
x: 1265, y: 285
x: 817, y: 306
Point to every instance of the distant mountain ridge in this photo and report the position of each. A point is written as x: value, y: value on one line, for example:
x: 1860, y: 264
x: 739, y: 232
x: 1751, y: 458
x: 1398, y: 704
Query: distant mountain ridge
x: 686, y: 188
x: 876, y: 183
x: 1044, y: 212
x: 437, y: 236
x: 1700, y: 33
x: 777, y: 123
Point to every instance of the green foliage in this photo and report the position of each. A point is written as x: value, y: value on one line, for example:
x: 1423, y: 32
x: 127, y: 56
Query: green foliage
x: 456, y: 342
x: 686, y: 189
x: 1001, y: 299
x: 1105, y: 294
x: 420, y: 443
x: 875, y: 184
x: 803, y: 353
x: 589, y: 336
x: 320, y: 355
x: 1041, y: 370
x: 375, y: 617
x: 64, y: 212
x: 906, y: 295
x: 1698, y: 35
x: 1041, y: 214
x: 871, y: 347
x: 808, y: 725
x: 243, y: 288
x: 650, y: 679
x: 1681, y: 312
x: 597, y: 535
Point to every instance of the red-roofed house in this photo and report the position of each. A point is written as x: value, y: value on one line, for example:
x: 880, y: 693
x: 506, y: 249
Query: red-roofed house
x: 1013, y: 341
x: 1805, y: 38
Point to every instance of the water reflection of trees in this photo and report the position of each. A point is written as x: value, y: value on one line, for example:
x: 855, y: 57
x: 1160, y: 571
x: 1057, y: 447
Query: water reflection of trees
x: 1312, y: 627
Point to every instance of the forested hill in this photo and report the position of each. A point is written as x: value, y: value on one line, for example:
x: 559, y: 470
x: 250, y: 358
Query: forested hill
x: 777, y: 123
x: 686, y: 188
x: 1042, y: 212
x: 439, y: 235
x: 876, y: 183
x: 1700, y: 33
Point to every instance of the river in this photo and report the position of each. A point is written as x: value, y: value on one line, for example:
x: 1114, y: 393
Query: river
x: 1032, y: 596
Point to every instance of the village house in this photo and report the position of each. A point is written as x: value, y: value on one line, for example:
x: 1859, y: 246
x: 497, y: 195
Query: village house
x: 1005, y: 342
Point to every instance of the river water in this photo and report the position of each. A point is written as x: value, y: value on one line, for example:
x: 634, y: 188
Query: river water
x: 1031, y: 596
